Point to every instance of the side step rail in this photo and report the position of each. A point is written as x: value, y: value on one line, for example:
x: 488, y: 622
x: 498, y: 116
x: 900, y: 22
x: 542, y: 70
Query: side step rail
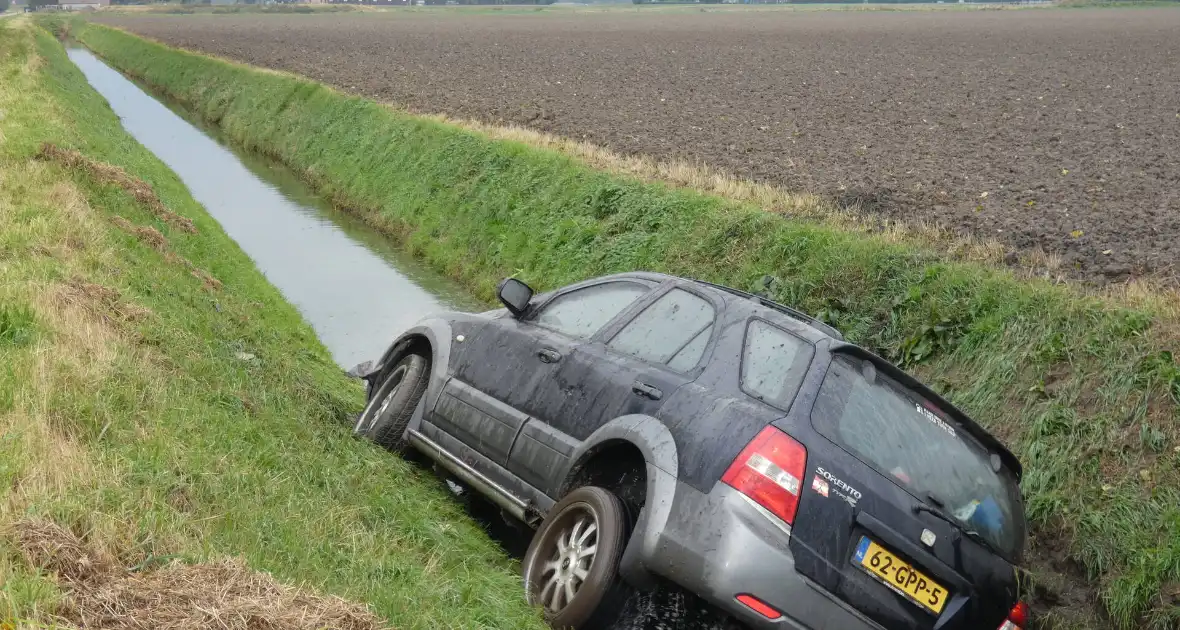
x: 498, y: 494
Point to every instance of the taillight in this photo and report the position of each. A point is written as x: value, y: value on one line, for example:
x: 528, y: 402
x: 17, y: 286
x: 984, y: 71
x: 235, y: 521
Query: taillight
x: 1017, y: 618
x: 770, y: 471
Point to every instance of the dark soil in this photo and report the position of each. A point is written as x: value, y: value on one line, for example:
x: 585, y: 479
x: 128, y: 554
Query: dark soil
x: 1050, y: 129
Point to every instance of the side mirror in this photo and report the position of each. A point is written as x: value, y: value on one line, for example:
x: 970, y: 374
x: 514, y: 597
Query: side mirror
x: 515, y: 295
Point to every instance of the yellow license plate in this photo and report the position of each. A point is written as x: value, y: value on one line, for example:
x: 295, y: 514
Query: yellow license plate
x: 900, y: 576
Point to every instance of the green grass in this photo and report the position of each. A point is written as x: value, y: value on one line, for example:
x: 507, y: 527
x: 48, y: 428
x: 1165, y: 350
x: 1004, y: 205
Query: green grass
x: 127, y: 416
x: 1083, y: 389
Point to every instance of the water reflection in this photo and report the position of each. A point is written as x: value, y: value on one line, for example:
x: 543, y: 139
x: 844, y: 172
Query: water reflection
x: 355, y: 290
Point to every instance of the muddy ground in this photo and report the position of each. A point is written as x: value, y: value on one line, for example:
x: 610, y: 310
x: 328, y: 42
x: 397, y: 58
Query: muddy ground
x: 1056, y: 130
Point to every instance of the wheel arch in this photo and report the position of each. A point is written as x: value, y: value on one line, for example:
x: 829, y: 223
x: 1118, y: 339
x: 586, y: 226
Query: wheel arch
x: 416, y: 342
x: 651, y: 439
x: 432, y: 338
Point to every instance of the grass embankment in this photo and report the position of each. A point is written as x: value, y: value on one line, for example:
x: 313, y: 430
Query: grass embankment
x: 160, y: 402
x: 1085, y: 391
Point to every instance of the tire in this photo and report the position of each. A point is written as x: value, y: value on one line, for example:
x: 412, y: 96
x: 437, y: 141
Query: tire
x: 385, y: 418
x: 598, y: 593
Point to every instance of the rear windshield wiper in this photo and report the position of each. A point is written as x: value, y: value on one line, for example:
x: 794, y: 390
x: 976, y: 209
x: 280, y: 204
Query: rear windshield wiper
x: 960, y: 526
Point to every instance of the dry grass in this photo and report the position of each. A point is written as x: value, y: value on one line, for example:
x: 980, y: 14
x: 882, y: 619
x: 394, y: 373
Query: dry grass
x: 77, y: 343
x: 110, y: 174
x: 99, y: 301
x: 157, y: 241
x: 55, y: 462
x: 207, y: 280
x: 147, y: 235
x: 51, y: 232
x: 80, y: 341
x: 211, y: 283
x: 66, y: 226
x: 51, y: 548
x: 225, y: 594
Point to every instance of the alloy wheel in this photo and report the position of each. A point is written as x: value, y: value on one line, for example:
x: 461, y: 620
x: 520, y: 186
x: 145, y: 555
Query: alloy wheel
x: 570, y: 560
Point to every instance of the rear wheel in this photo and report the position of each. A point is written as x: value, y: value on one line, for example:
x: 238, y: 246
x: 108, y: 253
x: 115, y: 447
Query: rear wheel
x: 571, y: 567
x: 388, y: 413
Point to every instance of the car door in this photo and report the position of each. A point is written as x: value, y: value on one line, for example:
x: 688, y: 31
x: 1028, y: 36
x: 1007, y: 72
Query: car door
x: 633, y: 367
x: 508, y: 370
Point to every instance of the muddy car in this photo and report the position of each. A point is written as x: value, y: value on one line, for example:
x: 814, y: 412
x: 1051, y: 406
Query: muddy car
x: 662, y: 432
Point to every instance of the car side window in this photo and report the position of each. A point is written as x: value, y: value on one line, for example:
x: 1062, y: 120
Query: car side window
x: 690, y: 356
x: 583, y: 312
x: 774, y: 363
x: 674, y: 330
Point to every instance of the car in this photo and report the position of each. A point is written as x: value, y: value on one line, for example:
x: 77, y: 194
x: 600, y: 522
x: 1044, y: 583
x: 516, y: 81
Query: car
x: 663, y: 432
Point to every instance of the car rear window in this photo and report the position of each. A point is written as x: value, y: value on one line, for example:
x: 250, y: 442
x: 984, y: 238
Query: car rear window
x: 909, y: 440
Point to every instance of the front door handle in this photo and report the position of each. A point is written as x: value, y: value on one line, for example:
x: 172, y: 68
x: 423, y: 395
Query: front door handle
x: 549, y: 355
x: 647, y: 391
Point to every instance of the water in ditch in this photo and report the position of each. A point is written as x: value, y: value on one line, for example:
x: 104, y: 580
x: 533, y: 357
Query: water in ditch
x: 355, y: 289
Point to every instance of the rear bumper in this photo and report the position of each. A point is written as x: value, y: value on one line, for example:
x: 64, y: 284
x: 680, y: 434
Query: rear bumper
x: 720, y: 545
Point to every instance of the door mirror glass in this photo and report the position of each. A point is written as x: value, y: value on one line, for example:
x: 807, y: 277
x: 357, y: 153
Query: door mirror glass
x: 514, y: 295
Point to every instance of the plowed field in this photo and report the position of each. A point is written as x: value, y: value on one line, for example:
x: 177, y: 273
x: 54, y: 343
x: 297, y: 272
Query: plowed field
x: 1056, y: 130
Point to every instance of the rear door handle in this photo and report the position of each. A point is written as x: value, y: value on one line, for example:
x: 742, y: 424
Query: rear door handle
x: 549, y: 355
x: 647, y: 391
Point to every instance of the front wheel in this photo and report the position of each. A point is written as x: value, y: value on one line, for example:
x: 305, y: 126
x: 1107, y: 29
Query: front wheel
x: 571, y: 567
x: 388, y: 413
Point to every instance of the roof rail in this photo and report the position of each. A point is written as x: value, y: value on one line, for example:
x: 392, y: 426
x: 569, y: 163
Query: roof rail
x: 782, y: 308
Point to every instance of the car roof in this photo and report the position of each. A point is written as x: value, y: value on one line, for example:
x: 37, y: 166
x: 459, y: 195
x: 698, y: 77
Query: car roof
x: 729, y: 294
x: 838, y: 345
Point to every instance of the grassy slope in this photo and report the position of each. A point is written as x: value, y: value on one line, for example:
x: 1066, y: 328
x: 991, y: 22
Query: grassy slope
x: 144, y: 430
x: 1084, y: 391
